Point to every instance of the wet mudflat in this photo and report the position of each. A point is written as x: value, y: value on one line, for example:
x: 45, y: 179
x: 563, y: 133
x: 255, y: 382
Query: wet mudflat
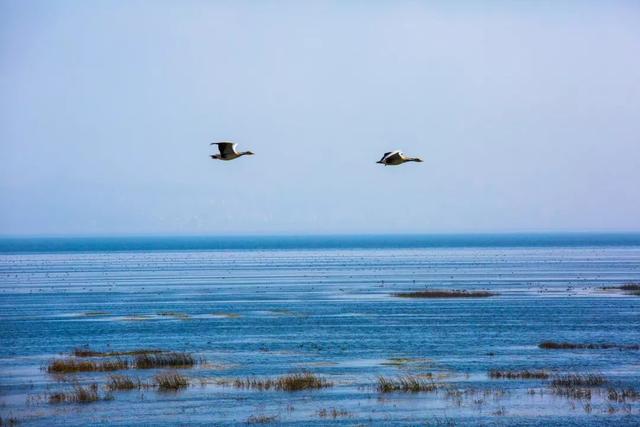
x: 315, y: 337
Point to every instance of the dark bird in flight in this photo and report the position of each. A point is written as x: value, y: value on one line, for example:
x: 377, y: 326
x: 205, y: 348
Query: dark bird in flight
x: 394, y: 158
x: 228, y: 151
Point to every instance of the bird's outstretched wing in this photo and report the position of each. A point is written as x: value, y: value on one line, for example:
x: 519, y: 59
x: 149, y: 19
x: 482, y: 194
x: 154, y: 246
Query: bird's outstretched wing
x: 226, y: 148
x: 385, y: 155
x: 394, y: 155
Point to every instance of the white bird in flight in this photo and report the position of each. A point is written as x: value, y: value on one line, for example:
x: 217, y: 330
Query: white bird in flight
x: 228, y: 151
x: 394, y: 158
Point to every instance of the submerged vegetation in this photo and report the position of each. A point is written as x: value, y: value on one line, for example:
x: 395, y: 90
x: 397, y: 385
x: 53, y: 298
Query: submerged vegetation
x: 291, y: 382
x: 226, y: 315
x: 518, y: 375
x: 175, y: 315
x: 552, y: 345
x: 95, y: 313
x: 445, y: 294
x: 407, y: 383
x: 87, y: 352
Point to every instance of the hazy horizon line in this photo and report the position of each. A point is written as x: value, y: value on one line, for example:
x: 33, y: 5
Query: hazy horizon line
x: 320, y: 235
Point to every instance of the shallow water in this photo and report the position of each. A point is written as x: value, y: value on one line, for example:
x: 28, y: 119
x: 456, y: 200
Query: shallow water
x: 330, y: 311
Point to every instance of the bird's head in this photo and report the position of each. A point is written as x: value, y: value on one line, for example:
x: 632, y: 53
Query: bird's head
x: 249, y: 153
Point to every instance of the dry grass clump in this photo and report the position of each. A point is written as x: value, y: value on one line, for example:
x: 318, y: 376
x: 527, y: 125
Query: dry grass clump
x: 578, y: 380
x: 291, y: 382
x: 261, y: 419
x: 333, y: 413
x: 578, y: 393
x: 623, y: 395
x: 164, y: 360
x: 445, y: 294
x: 518, y: 375
x: 79, y: 394
x: 87, y: 352
x: 576, y: 386
x: 170, y: 381
x: 69, y: 365
x: 124, y: 382
x: 407, y: 384
x: 302, y: 381
x: 553, y: 345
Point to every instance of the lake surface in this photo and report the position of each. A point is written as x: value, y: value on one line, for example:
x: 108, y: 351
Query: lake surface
x: 252, y: 308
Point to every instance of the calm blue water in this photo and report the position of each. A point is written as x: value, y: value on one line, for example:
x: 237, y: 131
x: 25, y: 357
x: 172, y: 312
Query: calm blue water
x: 269, y: 306
x: 146, y: 243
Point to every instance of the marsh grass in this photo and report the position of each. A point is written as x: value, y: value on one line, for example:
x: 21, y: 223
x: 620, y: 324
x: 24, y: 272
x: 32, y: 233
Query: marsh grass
x: 70, y: 365
x: 79, y: 394
x: 518, y: 375
x: 124, y: 383
x: 576, y: 386
x: 261, y: 419
x: 291, y: 382
x: 444, y: 294
x: 578, y: 393
x: 164, y: 360
x: 553, y: 345
x: 623, y: 395
x: 406, y: 384
x: 578, y: 380
x: 170, y: 381
x: 333, y: 413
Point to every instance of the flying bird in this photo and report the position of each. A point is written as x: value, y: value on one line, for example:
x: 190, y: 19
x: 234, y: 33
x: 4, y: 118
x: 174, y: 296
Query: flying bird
x: 394, y: 158
x: 228, y: 151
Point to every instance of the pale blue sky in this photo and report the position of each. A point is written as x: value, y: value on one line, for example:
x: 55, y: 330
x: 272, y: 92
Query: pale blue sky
x: 527, y: 115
